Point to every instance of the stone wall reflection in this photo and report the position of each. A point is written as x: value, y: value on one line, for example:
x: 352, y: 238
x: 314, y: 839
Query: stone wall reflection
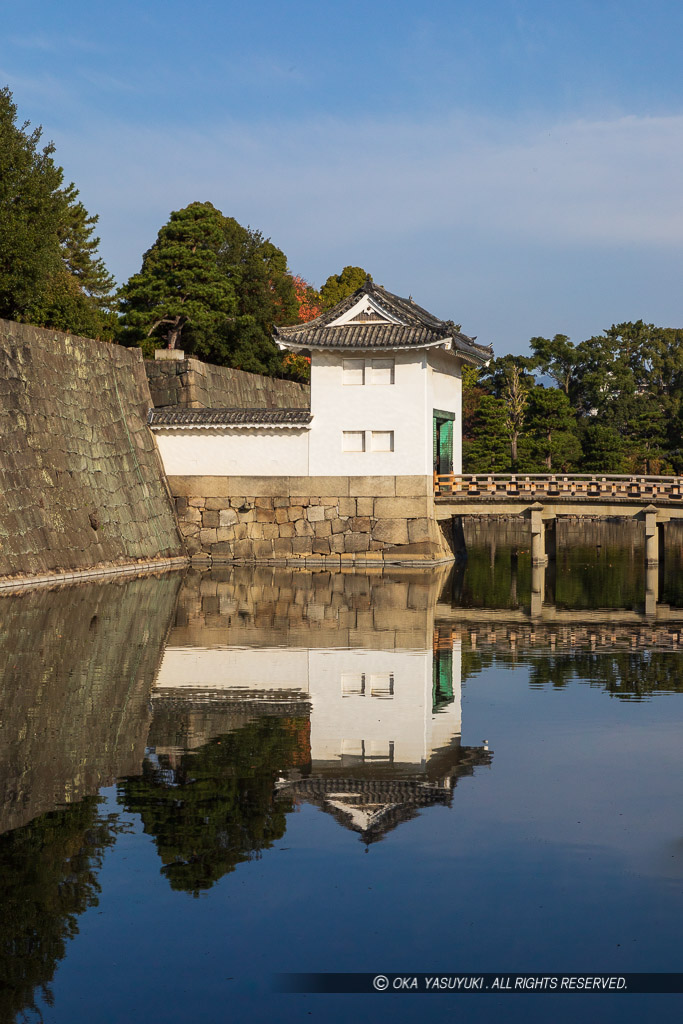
x: 76, y: 670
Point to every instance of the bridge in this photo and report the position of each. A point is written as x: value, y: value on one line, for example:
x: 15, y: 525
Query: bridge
x: 542, y: 497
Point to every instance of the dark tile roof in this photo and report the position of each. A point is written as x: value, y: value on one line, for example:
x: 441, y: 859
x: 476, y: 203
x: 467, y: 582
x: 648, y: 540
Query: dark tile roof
x: 175, y: 417
x: 417, y: 328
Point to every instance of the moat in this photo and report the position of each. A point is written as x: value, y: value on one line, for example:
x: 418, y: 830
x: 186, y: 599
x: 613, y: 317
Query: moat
x: 210, y: 778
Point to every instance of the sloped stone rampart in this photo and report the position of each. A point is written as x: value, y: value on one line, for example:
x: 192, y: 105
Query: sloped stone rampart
x: 330, y: 520
x: 192, y: 384
x: 81, y: 483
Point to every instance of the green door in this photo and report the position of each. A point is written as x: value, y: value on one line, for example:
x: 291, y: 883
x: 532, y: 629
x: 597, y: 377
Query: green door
x: 443, y: 441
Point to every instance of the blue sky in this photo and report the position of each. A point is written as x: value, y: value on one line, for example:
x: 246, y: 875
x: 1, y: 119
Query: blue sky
x: 515, y: 165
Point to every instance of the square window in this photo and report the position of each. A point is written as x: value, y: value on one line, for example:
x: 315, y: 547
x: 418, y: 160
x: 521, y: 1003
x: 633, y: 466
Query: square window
x: 353, y: 371
x: 381, y: 371
x: 353, y: 441
x: 382, y: 684
x: 353, y: 684
x: 382, y: 441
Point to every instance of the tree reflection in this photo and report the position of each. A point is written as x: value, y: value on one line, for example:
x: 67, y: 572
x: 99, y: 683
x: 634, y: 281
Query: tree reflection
x: 48, y: 872
x: 216, y: 807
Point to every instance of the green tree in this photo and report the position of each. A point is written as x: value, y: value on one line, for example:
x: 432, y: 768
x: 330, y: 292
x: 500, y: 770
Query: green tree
x: 604, y: 450
x: 489, y: 449
x: 180, y: 290
x: 265, y: 294
x: 552, y: 432
x: 339, y: 286
x: 50, y: 273
x: 557, y: 358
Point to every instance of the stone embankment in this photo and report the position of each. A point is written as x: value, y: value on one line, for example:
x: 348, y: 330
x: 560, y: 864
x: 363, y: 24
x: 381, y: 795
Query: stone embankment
x: 191, y: 384
x: 309, y: 520
x: 81, y: 483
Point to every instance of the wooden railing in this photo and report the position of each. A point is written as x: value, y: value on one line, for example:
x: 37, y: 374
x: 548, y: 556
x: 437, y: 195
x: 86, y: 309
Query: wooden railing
x: 538, y: 486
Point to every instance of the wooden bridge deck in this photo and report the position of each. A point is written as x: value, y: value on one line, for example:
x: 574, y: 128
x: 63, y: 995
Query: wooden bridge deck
x: 579, y: 494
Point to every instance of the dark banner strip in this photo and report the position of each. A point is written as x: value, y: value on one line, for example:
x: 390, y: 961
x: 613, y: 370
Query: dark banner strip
x: 464, y: 982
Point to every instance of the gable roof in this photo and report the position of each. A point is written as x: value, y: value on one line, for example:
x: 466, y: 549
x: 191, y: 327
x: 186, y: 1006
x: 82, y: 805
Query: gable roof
x: 373, y: 318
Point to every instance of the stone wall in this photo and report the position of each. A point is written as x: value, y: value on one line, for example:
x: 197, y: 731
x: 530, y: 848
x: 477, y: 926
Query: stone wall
x: 309, y: 520
x: 193, y: 384
x: 81, y: 483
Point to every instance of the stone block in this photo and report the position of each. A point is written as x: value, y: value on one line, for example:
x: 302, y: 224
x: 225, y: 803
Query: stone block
x: 263, y: 548
x: 207, y: 537
x: 414, y: 486
x: 337, y: 542
x: 402, y: 508
x: 372, y: 486
x: 356, y: 542
x: 195, y: 502
x: 301, y: 546
x: 210, y: 519
x: 264, y: 515
x: 391, y: 531
x: 422, y: 549
x: 282, y: 546
x: 286, y: 529
x: 340, y: 525
x: 216, y: 504
x: 295, y: 513
x: 300, y: 499
x: 323, y: 528
x: 225, y: 533
x: 281, y: 514
x: 320, y: 486
x: 221, y: 548
x: 303, y: 528
x: 321, y: 546
x: 193, y: 515
x: 360, y: 524
x: 263, y: 502
x: 420, y: 530
x: 365, y: 506
x: 270, y: 531
x: 227, y: 517
x: 315, y: 513
x: 181, y: 506
x: 243, y: 549
x: 347, y: 506
x: 281, y: 502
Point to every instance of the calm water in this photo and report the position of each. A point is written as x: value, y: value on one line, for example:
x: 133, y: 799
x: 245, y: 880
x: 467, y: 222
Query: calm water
x: 209, y: 779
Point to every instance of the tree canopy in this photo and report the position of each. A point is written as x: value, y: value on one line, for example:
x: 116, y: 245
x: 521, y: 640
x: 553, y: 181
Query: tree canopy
x: 50, y: 272
x: 339, y: 286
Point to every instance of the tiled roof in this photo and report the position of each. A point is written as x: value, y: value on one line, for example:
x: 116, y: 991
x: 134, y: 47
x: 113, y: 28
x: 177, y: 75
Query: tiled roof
x: 175, y: 417
x: 416, y: 328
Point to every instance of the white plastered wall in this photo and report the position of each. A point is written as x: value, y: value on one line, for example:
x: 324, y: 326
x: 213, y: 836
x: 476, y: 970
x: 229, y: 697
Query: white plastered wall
x: 444, y: 391
x: 339, y: 407
x: 228, y: 451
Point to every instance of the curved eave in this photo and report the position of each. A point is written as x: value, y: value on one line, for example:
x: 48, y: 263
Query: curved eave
x: 161, y: 427
x: 307, y: 350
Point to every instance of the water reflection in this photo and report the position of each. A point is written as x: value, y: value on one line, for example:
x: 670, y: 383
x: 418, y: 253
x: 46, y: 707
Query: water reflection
x: 224, y: 704
x: 358, y: 652
x: 76, y: 669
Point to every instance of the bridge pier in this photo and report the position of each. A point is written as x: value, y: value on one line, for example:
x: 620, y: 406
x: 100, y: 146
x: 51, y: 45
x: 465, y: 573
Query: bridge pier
x: 651, y: 536
x: 538, y: 553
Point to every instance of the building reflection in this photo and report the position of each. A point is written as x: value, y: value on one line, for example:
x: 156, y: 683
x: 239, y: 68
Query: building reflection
x: 381, y: 684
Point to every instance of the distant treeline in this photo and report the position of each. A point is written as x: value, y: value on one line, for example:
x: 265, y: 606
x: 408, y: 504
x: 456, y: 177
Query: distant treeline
x: 611, y: 404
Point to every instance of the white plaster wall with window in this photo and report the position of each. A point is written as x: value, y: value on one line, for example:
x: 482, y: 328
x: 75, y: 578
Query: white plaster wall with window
x: 352, y: 397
